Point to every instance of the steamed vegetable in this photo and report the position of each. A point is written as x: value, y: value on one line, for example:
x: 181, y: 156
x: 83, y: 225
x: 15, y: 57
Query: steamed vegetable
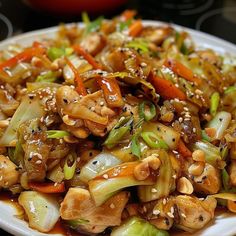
x: 28, y: 109
x: 99, y: 163
x: 163, y: 184
x: 42, y: 210
x: 113, y: 180
x: 137, y: 226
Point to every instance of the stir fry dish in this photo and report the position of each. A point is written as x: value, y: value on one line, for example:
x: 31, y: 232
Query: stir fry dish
x: 118, y: 128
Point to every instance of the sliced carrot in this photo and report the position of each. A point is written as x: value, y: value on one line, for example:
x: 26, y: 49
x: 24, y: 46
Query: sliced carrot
x: 26, y: 55
x: 166, y: 88
x: 111, y: 91
x: 128, y: 14
x: 135, y: 28
x: 78, y: 80
x: 90, y: 59
x: 211, y: 132
x: 181, y: 70
x: 183, y: 150
x: 48, y: 187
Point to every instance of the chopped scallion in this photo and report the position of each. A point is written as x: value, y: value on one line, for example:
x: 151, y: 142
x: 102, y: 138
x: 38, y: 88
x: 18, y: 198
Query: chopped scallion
x: 69, y: 170
x: 147, y: 110
x: 85, y: 18
x: 57, y: 133
x: 153, y: 140
x: 230, y: 89
x: 135, y: 146
x: 215, y: 99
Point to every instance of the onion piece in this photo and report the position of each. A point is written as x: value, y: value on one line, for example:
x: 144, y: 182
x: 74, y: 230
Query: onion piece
x: 99, y: 163
x: 42, y: 210
x: 220, y: 123
x: 226, y: 196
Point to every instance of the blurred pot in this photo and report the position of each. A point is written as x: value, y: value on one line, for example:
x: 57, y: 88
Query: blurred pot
x: 73, y: 7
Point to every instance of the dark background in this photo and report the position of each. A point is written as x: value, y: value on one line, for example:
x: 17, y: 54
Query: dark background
x: 217, y: 17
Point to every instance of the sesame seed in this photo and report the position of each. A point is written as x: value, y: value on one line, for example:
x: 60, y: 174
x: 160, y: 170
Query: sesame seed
x: 38, y: 162
x: 172, y: 210
x: 1, y: 177
x: 144, y: 209
x: 55, y: 184
x: 154, y: 190
x: 174, y: 176
x: 105, y: 176
x: 112, y: 206
x: 156, y: 212
x: 101, y: 103
x: 170, y: 215
x: 182, y: 214
x: 143, y: 64
x: 186, y: 109
x: 164, y: 201
x: 181, y: 119
x: 194, y: 130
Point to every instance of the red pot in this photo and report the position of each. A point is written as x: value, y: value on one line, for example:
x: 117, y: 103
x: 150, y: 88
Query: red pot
x: 67, y: 7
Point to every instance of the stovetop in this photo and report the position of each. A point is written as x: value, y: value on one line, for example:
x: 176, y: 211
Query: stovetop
x: 217, y: 17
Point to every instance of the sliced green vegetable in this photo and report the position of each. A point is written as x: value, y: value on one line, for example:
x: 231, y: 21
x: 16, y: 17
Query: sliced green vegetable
x: 163, y: 183
x: 220, y: 123
x: 225, y: 179
x: 147, y: 110
x: 70, y: 166
x: 41, y: 85
x: 96, y: 165
x: 214, y: 103
x: 124, y: 25
x: 118, y: 131
x: 205, y: 137
x: 94, y: 25
x: 137, y: 226
x: 167, y: 134
x: 57, y: 133
x: 153, y: 140
x: 54, y: 53
x: 135, y: 146
x: 27, y: 110
x: 75, y: 224
x: 230, y: 89
x: 212, y: 153
x: 48, y: 77
x: 224, y: 152
x: 139, y: 45
x: 85, y: 18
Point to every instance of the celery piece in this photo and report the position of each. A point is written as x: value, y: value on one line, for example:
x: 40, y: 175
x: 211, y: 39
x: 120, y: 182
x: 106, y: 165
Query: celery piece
x: 137, y: 226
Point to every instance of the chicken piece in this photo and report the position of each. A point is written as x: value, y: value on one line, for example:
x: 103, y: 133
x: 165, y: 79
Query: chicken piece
x: 210, y: 56
x: 89, y: 112
x: 8, y: 173
x: 156, y: 34
x: 193, y: 213
x: 7, y: 103
x: 93, y: 43
x: 78, y: 204
x: 33, y: 141
x: 232, y: 173
x: 208, y: 182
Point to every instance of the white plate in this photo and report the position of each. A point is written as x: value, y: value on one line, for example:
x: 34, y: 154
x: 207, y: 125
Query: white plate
x: 222, y: 225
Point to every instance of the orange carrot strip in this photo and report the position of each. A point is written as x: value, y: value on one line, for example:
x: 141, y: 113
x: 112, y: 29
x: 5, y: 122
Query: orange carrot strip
x: 135, y: 28
x: 78, y: 80
x: 26, y: 55
x: 111, y: 91
x: 183, y: 150
x: 48, y: 187
x: 87, y: 57
x: 181, y: 70
x: 167, y: 89
x: 128, y: 14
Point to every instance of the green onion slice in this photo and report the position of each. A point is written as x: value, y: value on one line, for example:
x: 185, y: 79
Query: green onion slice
x: 230, y: 89
x: 118, y: 131
x: 135, y: 146
x: 69, y: 170
x: 147, y: 110
x: 154, y: 141
x: 85, y: 18
x: 57, y: 133
x: 215, y: 99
